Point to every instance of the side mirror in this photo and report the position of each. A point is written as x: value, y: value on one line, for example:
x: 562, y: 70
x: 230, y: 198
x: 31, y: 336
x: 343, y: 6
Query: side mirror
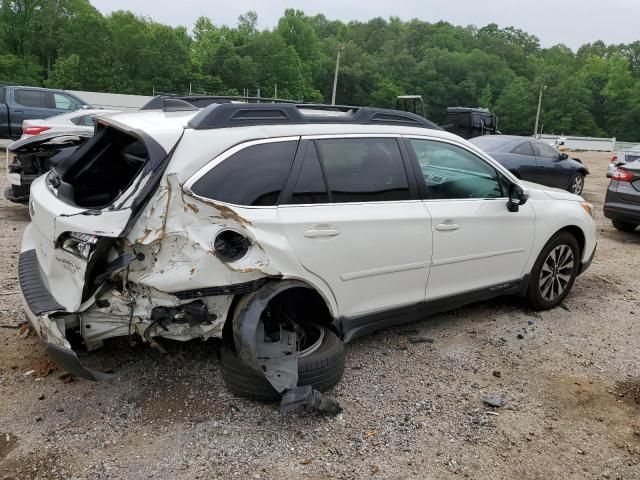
x: 517, y: 196
x: 563, y: 156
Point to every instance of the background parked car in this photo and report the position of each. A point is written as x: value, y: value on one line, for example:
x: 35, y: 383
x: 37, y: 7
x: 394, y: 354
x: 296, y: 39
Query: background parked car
x: 622, y: 158
x: 622, y: 203
x: 535, y: 161
x: 18, y: 104
x: 79, y: 120
x: 36, y: 155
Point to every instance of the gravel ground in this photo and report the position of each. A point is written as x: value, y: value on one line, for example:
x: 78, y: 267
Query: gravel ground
x: 412, y: 395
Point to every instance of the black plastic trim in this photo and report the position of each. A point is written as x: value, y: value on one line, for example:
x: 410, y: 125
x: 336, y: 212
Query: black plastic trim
x: 235, y: 289
x: 33, y: 288
x: 68, y: 361
x: 358, y: 326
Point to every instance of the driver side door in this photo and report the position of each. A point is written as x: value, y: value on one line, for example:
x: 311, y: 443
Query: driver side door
x: 550, y: 169
x: 478, y: 243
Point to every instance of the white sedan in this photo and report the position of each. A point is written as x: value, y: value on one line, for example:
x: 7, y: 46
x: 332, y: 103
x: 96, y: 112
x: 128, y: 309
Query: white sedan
x: 75, y: 121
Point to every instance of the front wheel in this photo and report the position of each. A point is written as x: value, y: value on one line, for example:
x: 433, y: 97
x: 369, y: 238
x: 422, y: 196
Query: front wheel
x: 577, y: 184
x: 554, y: 272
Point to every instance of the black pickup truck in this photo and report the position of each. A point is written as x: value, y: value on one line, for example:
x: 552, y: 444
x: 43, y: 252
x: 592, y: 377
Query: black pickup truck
x: 23, y: 103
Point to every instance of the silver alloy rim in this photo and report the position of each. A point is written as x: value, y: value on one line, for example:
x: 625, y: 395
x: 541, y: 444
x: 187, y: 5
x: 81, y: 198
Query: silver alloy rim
x: 556, y: 272
x: 577, y: 185
x: 316, y: 345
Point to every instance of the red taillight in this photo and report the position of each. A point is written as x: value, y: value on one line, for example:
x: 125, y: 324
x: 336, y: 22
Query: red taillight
x: 614, y: 159
x: 35, y: 130
x: 622, y: 175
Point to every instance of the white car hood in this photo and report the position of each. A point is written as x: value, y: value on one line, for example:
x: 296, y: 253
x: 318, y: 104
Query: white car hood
x: 541, y: 192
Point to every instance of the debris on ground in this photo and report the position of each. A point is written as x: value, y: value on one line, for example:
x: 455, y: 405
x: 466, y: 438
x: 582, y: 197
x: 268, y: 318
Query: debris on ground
x: 496, y: 401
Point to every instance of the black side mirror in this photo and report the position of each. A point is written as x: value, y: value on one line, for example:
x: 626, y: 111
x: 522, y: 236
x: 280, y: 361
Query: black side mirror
x: 563, y: 156
x: 517, y: 197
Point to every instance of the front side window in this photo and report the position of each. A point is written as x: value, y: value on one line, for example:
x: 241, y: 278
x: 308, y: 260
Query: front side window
x: 254, y: 176
x: 65, y: 102
x: 451, y: 172
x: 363, y: 169
x: 32, y: 98
x: 545, y: 151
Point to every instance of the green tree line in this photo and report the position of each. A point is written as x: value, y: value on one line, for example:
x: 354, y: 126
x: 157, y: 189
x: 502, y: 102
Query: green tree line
x: 69, y: 44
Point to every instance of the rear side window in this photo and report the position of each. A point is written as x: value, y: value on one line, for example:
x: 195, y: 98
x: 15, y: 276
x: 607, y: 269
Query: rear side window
x: 310, y: 186
x: 524, y: 148
x: 363, y: 169
x: 254, y: 176
x: 85, y: 120
x: 545, y: 151
x: 32, y: 98
x: 65, y: 102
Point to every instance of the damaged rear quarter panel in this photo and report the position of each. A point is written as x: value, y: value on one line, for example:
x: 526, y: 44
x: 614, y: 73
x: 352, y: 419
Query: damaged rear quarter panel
x: 176, y: 231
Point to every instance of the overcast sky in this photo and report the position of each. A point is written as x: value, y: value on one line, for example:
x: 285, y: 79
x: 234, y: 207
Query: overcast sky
x: 572, y: 22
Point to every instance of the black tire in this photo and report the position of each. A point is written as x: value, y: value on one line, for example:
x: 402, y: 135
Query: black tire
x: 576, y: 185
x: 536, y: 293
x: 624, y: 226
x: 321, y: 369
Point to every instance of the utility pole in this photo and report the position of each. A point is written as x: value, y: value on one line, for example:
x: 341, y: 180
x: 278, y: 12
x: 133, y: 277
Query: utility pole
x: 275, y: 91
x: 535, y: 130
x: 335, y: 76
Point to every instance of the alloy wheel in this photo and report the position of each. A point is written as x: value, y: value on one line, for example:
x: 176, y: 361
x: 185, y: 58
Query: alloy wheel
x: 556, y: 272
x: 577, y: 185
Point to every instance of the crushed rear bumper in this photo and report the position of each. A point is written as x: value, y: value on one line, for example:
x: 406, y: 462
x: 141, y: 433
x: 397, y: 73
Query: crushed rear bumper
x: 39, y: 308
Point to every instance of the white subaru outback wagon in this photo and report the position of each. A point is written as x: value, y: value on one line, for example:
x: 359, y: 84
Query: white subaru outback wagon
x: 286, y: 230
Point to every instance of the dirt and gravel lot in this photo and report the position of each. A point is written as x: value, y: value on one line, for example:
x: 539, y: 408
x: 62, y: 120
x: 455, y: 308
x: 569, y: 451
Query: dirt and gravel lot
x: 412, y: 395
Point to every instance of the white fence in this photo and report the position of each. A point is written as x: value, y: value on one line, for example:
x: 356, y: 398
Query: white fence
x: 113, y: 101
x: 593, y: 144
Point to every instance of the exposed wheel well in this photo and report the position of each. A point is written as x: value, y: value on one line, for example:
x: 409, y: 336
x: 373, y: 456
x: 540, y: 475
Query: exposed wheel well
x: 305, y: 300
x: 578, y: 234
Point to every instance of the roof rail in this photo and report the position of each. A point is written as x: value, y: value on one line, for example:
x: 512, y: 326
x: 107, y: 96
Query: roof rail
x: 240, y: 115
x: 169, y: 102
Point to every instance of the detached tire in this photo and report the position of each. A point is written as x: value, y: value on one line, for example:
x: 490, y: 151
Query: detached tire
x: 554, y: 272
x: 321, y: 369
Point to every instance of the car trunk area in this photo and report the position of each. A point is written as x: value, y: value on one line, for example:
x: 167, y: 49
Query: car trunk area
x: 100, y: 170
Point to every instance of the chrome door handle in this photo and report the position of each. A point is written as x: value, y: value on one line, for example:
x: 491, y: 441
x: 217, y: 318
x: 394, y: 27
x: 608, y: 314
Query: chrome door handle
x: 321, y: 233
x: 447, y: 227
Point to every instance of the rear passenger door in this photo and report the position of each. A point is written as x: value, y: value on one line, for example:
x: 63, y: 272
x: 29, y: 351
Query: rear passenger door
x: 351, y: 213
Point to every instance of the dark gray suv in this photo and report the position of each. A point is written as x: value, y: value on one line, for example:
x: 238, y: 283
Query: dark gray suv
x: 622, y: 204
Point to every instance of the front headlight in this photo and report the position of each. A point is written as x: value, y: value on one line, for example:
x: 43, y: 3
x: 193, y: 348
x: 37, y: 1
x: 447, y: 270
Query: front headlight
x: 79, y: 244
x: 589, y: 208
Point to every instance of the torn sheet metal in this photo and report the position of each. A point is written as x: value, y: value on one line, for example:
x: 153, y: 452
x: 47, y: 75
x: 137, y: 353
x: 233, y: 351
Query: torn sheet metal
x: 179, y: 249
x: 275, y: 357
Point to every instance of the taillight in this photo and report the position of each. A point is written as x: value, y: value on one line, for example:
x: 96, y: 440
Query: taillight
x: 35, y: 130
x: 78, y: 244
x: 622, y: 175
x: 614, y: 159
